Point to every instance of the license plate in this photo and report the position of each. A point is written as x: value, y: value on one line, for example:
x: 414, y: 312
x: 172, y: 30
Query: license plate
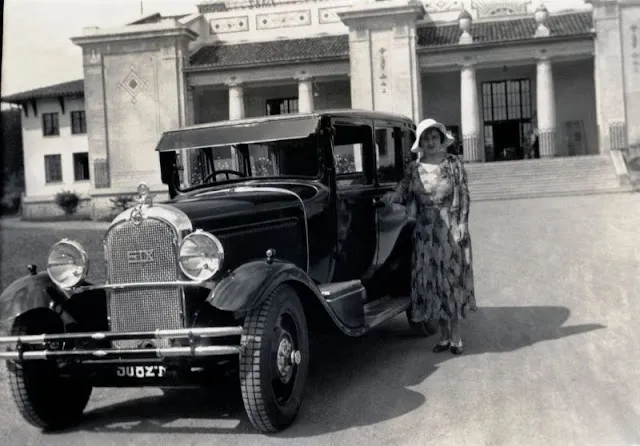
x: 141, y: 371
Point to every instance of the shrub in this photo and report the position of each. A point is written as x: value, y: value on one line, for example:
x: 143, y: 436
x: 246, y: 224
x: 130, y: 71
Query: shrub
x: 122, y: 203
x: 67, y: 201
x: 13, y: 189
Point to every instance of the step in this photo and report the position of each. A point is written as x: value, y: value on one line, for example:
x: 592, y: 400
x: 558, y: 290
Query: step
x: 337, y: 290
x: 383, y: 309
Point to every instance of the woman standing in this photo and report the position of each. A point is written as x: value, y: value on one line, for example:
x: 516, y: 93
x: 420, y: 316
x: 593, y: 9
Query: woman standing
x: 442, y: 286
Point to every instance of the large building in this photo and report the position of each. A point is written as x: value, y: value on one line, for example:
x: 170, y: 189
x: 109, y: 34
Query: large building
x: 493, y: 71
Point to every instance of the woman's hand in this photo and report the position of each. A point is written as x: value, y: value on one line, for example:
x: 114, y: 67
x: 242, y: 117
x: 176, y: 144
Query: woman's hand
x: 461, y: 232
x: 388, y: 198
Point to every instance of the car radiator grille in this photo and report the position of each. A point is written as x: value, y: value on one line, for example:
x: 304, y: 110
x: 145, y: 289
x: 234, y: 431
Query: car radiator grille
x: 143, y: 309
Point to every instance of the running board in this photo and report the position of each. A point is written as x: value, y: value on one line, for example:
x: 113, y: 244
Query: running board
x: 382, y: 310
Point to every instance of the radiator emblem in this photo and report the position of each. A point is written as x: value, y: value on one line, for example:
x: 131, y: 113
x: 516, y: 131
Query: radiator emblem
x: 140, y: 256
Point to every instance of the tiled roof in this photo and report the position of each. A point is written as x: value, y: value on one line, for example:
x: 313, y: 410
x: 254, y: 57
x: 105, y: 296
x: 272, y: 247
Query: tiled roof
x: 337, y: 47
x: 274, y: 51
x: 51, y: 91
x: 561, y: 25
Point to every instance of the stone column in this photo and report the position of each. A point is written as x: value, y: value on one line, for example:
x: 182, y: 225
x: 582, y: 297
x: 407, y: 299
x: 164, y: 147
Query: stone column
x: 236, y: 100
x: 305, y: 94
x: 546, y: 109
x: 470, y: 114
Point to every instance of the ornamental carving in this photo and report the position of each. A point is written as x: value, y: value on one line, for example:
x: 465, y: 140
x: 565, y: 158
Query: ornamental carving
x: 132, y: 84
x: 383, y: 78
x: 283, y: 19
x: 635, y: 44
x: 229, y: 25
x: 442, y: 5
x: 487, y: 8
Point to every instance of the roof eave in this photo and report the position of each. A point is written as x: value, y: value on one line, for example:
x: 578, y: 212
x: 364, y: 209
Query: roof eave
x: 493, y: 44
x: 198, y: 68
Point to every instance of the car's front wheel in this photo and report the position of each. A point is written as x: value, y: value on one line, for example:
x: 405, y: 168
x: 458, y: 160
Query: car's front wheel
x: 45, y: 398
x: 275, y: 360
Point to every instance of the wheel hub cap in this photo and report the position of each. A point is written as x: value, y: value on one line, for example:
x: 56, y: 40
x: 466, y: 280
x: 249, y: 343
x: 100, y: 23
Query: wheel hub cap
x: 287, y: 358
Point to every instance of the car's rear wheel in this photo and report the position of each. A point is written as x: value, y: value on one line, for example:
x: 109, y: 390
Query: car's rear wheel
x: 423, y: 328
x: 275, y: 360
x: 45, y: 398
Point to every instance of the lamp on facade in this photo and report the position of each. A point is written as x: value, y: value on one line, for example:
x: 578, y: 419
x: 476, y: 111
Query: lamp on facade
x: 464, y: 20
x: 541, y: 15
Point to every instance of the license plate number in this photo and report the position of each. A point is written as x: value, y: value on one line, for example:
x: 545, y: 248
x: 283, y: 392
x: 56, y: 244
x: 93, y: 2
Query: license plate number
x: 141, y: 371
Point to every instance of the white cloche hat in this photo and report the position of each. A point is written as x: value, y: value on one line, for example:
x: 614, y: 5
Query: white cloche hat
x: 427, y: 124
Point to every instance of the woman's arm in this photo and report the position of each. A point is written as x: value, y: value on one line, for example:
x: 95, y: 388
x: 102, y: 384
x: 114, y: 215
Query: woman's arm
x: 403, y: 190
x: 465, y: 200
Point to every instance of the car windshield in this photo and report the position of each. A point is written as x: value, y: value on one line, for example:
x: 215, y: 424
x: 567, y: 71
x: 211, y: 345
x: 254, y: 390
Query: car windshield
x: 273, y: 159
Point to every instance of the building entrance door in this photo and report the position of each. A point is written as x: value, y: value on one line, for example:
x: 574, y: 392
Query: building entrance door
x: 506, y: 141
x: 507, y: 118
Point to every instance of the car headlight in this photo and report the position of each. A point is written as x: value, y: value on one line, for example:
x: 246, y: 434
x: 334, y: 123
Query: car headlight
x: 68, y: 263
x: 201, y: 255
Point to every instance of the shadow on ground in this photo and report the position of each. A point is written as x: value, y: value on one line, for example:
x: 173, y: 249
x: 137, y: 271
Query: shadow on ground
x: 352, y: 383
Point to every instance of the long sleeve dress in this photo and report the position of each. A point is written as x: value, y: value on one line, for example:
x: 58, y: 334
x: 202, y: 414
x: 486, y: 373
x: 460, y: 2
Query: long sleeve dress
x: 442, y: 284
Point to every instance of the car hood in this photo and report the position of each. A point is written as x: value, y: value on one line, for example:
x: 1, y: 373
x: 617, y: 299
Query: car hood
x: 244, y: 203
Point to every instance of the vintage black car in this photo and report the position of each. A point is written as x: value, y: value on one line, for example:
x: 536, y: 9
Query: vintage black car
x: 279, y: 231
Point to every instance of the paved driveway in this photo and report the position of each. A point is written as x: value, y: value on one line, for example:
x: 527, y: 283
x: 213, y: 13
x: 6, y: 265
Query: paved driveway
x: 552, y: 355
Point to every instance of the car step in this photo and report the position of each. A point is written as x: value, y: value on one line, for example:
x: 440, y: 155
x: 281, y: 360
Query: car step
x: 339, y: 290
x: 383, y: 309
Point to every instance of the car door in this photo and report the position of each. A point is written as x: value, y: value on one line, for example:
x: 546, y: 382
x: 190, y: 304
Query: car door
x: 393, y: 225
x: 355, y: 193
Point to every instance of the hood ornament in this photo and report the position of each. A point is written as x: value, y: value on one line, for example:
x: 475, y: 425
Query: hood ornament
x: 145, y: 199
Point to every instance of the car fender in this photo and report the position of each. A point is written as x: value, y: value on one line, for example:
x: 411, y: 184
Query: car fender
x: 249, y: 284
x: 25, y: 294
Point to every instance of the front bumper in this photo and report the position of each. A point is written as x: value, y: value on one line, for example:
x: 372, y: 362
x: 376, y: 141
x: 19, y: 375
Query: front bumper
x: 51, y: 346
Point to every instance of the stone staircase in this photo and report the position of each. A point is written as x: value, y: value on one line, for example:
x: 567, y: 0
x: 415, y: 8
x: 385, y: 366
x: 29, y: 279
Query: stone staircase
x: 580, y: 175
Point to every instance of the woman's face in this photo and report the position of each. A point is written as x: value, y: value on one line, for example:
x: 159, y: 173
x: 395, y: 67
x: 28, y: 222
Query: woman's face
x: 431, y: 141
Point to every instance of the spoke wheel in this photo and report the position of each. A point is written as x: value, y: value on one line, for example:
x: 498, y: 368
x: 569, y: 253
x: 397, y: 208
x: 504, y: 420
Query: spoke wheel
x: 274, y: 363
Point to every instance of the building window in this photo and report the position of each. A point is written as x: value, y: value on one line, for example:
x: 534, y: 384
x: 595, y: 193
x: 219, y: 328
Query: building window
x: 53, y: 168
x: 282, y: 106
x: 50, y: 125
x: 507, y: 113
x: 81, y: 166
x: 78, y: 122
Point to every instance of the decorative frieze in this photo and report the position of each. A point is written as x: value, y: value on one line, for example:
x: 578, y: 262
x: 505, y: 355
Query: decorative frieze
x: 229, y: 25
x: 330, y: 15
x: 442, y: 5
x: 283, y: 19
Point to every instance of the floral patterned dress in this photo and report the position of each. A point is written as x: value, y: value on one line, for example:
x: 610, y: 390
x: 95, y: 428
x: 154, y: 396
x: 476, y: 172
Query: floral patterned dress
x: 442, y: 285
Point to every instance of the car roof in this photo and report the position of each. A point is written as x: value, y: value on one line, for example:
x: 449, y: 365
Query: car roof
x: 200, y: 135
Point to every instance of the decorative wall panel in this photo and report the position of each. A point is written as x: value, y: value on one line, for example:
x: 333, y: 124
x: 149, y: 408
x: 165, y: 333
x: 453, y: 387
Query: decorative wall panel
x: 283, y: 19
x: 229, y: 25
x: 330, y: 15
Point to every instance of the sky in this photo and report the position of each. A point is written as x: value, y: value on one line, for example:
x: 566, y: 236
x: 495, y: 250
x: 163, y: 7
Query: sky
x: 36, y: 46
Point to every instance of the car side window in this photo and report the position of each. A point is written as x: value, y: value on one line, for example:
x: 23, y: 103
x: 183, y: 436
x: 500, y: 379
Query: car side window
x: 352, y: 154
x: 388, y: 154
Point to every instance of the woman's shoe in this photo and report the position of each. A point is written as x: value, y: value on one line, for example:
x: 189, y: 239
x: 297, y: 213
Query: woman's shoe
x: 456, y: 349
x: 441, y: 347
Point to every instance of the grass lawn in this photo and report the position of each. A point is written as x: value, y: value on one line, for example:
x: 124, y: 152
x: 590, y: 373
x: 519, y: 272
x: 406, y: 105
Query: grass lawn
x: 23, y: 246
